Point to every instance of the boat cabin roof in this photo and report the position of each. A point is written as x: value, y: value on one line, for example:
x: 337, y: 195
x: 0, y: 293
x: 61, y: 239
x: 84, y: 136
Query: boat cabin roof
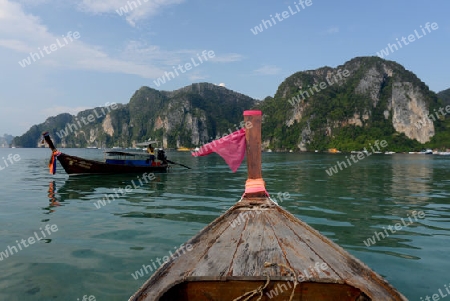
x: 147, y: 143
x: 129, y: 154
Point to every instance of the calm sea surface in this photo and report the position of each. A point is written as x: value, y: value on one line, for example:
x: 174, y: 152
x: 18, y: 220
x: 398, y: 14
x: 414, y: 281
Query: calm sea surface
x: 95, y: 251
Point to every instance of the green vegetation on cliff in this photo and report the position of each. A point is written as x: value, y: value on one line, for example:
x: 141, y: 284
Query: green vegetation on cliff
x: 189, y: 117
x: 445, y: 96
x: 347, y: 107
x: 349, y: 112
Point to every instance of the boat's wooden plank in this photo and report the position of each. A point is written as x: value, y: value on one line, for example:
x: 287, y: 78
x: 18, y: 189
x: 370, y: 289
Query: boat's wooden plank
x: 218, y: 258
x: 178, y: 269
x: 350, y: 269
x: 258, y: 246
x: 247, y: 260
x: 304, y: 260
x: 271, y: 251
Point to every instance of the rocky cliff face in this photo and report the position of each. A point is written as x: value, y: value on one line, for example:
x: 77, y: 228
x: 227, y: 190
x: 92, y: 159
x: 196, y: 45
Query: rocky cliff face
x: 346, y: 107
x: 408, y: 107
x: 323, y: 105
x: 190, y: 116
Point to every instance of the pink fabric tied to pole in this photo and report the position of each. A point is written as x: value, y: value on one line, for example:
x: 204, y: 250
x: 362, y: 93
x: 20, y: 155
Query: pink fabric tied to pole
x: 231, y: 148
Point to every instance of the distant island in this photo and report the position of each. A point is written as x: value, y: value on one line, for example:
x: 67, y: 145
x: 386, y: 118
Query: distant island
x: 6, y: 140
x: 346, y: 108
x: 445, y: 96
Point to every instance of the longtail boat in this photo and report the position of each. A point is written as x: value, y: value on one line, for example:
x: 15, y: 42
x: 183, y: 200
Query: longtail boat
x: 123, y: 162
x: 270, y: 255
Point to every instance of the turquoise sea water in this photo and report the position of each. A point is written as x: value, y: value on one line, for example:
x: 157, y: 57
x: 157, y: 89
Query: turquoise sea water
x: 95, y: 251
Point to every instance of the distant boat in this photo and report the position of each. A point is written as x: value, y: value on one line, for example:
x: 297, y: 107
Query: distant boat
x: 362, y: 152
x: 426, y: 152
x: 333, y: 151
x: 118, y: 162
x: 389, y: 153
x: 258, y: 251
x: 183, y: 149
x: 443, y: 153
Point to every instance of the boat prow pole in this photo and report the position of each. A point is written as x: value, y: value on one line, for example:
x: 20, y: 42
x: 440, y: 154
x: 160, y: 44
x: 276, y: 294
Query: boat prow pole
x: 49, y: 141
x: 55, y: 153
x: 255, y: 185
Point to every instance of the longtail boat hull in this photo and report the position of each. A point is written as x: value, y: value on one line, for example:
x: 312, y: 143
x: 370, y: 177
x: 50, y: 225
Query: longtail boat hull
x: 74, y: 165
x: 77, y: 166
x: 259, y: 251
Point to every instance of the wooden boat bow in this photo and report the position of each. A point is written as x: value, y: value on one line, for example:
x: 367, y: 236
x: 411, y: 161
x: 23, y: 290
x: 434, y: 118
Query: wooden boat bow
x: 259, y: 250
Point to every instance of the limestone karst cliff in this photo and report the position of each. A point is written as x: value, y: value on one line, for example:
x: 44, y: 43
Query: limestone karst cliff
x: 349, y: 106
x: 190, y: 116
x: 346, y: 107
